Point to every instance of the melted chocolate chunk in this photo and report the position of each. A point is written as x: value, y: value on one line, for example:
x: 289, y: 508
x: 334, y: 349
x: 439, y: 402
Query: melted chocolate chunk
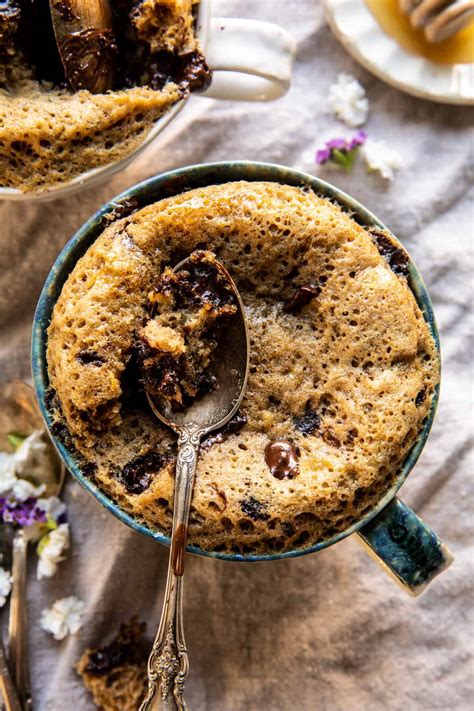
x: 397, y: 258
x: 89, y: 358
x: 420, y: 398
x: 204, y: 383
x: 120, y: 651
x: 309, y: 422
x: 137, y: 474
x: 254, y: 509
x: 89, y: 58
x: 158, y: 378
x: 301, y: 297
x: 189, y: 70
x: 195, y: 72
x: 199, y: 284
x: 282, y: 459
x: 232, y: 427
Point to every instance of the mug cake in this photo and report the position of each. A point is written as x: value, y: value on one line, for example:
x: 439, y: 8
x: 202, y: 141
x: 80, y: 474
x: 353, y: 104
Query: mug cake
x: 343, y: 366
x: 77, y: 98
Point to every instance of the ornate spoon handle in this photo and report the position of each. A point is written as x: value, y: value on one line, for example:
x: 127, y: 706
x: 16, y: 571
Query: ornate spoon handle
x: 168, y: 662
x: 17, y: 623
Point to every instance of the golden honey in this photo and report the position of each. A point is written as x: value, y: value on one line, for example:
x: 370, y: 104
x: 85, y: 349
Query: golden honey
x: 458, y: 49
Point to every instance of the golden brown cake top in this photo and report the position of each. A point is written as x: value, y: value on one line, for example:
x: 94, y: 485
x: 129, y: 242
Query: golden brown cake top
x: 343, y: 366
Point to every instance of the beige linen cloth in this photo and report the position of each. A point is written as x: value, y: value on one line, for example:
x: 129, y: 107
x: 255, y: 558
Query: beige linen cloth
x: 328, y: 631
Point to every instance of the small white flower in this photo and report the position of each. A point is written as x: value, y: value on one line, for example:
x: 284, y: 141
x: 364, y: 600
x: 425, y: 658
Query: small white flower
x: 29, y: 460
x: 7, y: 472
x: 32, y: 457
x: 348, y: 101
x: 32, y: 448
x: 5, y: 585
x: 52, y: 506
x: 64, y: 617
x: 382, y: 158
x: 50, y: 551
x: 23, y: 489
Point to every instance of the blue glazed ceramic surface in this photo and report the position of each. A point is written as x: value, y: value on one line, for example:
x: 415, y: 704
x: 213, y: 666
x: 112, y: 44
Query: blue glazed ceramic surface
x: 406, y: 546
x: 163, y: 186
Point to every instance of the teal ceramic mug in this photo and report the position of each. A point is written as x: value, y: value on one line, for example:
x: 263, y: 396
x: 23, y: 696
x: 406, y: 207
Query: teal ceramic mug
x: 405, y: 545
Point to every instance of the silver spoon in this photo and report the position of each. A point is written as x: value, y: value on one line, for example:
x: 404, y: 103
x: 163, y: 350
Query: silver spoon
x: 19, y: 413
x: 168, y: 662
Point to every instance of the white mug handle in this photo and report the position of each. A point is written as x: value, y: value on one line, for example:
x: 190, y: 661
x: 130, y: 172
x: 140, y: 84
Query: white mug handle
x: 251, y: 60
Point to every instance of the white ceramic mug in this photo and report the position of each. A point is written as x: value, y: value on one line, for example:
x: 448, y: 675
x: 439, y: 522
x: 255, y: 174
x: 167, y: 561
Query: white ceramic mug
x: 251, y: 61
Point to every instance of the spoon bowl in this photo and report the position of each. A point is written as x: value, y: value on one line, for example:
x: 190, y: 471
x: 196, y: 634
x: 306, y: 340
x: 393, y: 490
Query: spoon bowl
x: 230, y: 371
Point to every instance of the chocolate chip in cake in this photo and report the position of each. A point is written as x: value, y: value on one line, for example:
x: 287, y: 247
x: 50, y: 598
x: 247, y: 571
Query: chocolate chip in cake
x: 301, y: 297
x: 190, y: 70
x: 396, y: 257
x: 309, y: 422
x: 254, y: 509
x: 89, y: 470
x: 282, y: 459
x: 89, y: 358
x: 204, y: 383
x: 234, y: 425
x: 138, y: 474
x: 420, y: 398
x: 195, y: 72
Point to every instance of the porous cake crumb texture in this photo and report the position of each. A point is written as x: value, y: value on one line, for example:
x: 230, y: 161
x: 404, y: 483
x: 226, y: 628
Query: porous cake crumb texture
x: 343, y: 366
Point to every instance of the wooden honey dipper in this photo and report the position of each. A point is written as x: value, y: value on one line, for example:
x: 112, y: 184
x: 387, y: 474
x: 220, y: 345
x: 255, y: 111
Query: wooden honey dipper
x: 439, y: 19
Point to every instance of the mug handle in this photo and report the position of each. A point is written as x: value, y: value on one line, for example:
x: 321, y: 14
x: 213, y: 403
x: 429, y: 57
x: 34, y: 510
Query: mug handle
x: 251, y: 60
x: 405, y: 546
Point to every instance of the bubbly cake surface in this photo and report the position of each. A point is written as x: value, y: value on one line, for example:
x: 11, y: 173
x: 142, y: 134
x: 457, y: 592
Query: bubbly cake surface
x: 342, y: 375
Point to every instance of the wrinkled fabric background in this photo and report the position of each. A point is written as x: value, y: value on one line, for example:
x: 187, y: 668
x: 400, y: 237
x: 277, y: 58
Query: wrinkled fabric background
x: 328, y: 631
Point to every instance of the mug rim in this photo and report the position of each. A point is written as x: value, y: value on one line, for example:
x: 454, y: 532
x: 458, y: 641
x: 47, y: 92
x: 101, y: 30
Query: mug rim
x: 166, y: 185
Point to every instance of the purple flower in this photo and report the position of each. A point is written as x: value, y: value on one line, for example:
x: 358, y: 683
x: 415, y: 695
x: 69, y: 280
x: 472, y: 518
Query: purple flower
x: 22, y: 513
x: 358, y: 140
x: 341, y: 151
x: 338, y: 144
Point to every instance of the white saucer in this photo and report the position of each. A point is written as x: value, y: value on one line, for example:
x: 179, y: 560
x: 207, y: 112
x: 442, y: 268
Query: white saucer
x: 358, y: 31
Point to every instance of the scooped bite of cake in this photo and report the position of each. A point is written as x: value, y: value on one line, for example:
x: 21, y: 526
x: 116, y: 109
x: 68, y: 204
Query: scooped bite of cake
x: 177, y: 344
